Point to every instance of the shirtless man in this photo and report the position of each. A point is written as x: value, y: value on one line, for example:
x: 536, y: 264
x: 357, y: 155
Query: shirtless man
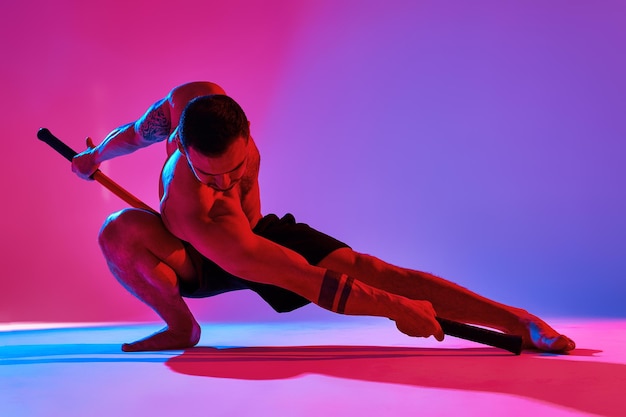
x: 210, y: 215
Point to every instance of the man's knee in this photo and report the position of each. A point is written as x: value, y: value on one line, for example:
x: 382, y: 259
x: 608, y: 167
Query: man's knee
x: 124, y: 228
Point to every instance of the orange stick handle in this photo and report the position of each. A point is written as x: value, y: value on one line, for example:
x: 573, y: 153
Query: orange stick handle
x: 117, y: 189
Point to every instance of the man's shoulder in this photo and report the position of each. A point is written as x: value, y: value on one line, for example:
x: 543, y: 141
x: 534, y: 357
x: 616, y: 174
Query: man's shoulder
x: 181, y: 193
x: 184, y: 93
x: 179, y: 96
x: 178, y: 181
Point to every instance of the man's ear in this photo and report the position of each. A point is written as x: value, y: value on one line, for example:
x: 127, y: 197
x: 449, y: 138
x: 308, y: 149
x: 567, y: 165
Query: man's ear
x: 179, y: 145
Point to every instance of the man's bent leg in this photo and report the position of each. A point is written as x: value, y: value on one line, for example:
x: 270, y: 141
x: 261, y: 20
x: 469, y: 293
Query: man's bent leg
x: 148, y: 261
x: 449, y: 300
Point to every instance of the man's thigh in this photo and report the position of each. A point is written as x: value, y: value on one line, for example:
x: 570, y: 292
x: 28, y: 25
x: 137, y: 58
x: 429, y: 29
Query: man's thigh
x: 135, y: 230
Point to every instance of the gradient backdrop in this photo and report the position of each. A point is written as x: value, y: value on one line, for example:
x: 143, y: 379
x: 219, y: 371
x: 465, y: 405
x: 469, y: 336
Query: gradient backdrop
x: 482, y: 141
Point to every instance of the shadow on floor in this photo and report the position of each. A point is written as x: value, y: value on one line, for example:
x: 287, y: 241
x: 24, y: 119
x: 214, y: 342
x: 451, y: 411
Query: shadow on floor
x: 587, y: 386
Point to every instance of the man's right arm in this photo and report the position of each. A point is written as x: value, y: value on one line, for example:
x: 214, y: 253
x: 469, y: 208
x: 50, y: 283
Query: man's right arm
x: 154, y: 126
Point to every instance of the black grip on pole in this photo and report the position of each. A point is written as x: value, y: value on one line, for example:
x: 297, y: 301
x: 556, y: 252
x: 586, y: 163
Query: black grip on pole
x: 477, y: 334
x: 67, y: 152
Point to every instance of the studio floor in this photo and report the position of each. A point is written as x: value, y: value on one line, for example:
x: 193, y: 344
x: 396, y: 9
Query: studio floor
x: 349, y: 367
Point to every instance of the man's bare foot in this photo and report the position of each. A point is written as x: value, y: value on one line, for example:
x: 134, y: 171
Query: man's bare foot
x: 166, y: 339
x: 538, y: 335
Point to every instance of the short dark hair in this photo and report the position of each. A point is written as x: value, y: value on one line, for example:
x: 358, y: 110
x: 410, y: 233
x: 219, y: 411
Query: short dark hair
x: 210, y: 124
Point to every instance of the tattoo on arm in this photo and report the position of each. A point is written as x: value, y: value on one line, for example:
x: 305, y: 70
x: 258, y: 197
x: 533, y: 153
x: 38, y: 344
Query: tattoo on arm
x: 155, y: 125
x: 334, y: 292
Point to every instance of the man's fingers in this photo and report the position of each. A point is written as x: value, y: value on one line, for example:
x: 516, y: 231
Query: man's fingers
x: 421, y: 321
x: 438, y: 333
x: 421, y: 328
x: 83, y: 164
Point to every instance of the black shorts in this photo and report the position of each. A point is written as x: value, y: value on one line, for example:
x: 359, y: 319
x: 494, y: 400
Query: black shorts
x: 299, y: 237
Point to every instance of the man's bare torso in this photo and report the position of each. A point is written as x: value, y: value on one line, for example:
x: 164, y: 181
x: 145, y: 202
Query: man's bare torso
x: 183, y: 195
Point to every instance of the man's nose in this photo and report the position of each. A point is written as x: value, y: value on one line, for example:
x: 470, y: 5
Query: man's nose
x: 222, y: 181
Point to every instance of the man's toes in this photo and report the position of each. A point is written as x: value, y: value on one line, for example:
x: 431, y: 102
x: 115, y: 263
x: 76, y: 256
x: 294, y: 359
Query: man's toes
x: 548, y: 340
x: 570, y: 345
x: 558, y: 343
x: 565, y: 344
x: 131, y: 347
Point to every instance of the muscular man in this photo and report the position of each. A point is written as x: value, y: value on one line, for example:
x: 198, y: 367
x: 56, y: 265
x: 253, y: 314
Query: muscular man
x: 211, y: 237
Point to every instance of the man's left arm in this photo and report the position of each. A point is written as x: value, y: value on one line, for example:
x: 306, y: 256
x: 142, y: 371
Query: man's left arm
x: 228, y: 241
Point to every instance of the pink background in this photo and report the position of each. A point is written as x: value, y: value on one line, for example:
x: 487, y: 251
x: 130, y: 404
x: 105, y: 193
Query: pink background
x: 480, y: 141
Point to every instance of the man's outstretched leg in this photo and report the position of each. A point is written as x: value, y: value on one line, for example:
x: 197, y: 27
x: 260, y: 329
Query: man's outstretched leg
x: 148, y: 261
x: 449, y: 300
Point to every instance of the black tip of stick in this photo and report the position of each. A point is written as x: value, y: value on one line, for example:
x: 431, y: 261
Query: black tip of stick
x: 46, y: 136
x: 43, y: 133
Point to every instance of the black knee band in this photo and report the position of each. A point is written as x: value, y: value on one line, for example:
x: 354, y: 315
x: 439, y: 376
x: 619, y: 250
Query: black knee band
x: 332, y: 284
